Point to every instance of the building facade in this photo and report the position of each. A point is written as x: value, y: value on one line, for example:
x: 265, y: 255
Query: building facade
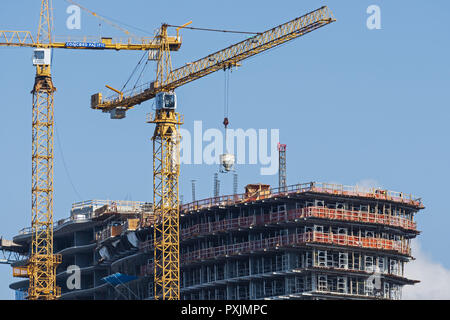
x: 306, y: 241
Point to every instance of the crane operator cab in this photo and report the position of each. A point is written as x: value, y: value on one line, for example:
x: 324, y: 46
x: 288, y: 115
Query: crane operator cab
x: 42, y: 57
x: 166, y: 101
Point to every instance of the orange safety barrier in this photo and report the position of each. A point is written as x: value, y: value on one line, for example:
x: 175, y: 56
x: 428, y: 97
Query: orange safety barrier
x: 297, y: 239
x: 401, y: 247
x: 20, y: 272
x: 292, y: 215
x: 316, y: 187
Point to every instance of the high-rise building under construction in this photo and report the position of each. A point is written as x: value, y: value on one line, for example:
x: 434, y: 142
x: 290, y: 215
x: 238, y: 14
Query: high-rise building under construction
x: 305, y: 241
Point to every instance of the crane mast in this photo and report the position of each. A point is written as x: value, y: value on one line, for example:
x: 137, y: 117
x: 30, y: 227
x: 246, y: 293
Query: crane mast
x: 166, y: 172
x: 42, y: 262
x: 166, y: 152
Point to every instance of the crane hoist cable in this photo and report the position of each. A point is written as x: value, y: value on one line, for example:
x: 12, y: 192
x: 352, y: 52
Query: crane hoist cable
x: 226, y: 122
x: 227, y: 92
x: 66, y: 169
x: 134, y: 70
x: 227, y: 72
x: 227, y: 160
x: 213, y: 30
x: 140, y: 76
x: 226, y: 105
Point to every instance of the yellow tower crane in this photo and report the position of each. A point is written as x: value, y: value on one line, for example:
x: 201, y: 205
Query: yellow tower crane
x: 42, y: 262
x: 166, y: 152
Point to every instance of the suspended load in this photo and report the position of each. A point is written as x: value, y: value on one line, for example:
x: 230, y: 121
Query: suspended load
x: 227, y: 160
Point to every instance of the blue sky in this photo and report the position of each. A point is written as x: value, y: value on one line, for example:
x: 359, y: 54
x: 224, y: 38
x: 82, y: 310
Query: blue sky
x: 352, y: 104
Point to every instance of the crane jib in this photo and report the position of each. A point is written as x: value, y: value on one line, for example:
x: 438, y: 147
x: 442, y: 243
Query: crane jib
x: 219, y: 60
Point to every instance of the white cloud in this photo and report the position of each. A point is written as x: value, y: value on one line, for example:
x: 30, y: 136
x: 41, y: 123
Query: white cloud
x: 368, y: 184
x: 363, y: 183
x: 434, y: 278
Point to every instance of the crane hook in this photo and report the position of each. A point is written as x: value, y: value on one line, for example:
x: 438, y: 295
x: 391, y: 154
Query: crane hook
x: 225, y: 122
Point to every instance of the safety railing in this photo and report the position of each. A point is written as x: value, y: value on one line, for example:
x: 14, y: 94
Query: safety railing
x: 75, y: 217
x: 93, y: 208
x: 26, y: 230
x: 292, y: 215
x: 130, y: 92
x: 213, y: 202
x: 316, y: 187
x: 97, y: 207
x: 296, y: 239
x: 58, y: 223
x: 150, y: 117
x: 356, y: 216
x: 401, y: 247
x: 124, y: 204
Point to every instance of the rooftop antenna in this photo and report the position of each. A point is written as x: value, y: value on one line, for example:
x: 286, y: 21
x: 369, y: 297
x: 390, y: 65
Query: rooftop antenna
x: 193, y: 189
x: 235, y: 183
x: 282, y: 184
x: 216, y: 185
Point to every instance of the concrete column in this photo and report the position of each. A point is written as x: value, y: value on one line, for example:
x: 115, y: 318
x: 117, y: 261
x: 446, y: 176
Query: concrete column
x: 313, y: 282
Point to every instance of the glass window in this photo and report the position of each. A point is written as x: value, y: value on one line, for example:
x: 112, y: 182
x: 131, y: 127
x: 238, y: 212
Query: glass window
x: 39, y: 54
x: 169, y: 101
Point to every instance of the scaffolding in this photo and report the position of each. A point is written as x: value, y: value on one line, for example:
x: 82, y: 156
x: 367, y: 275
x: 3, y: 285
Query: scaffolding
x: 293, y: 215
x: 292, y: 240
x: 315, y: 241
x: 101, y: 209
x: 307, y: 241
x: 312, y: 187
